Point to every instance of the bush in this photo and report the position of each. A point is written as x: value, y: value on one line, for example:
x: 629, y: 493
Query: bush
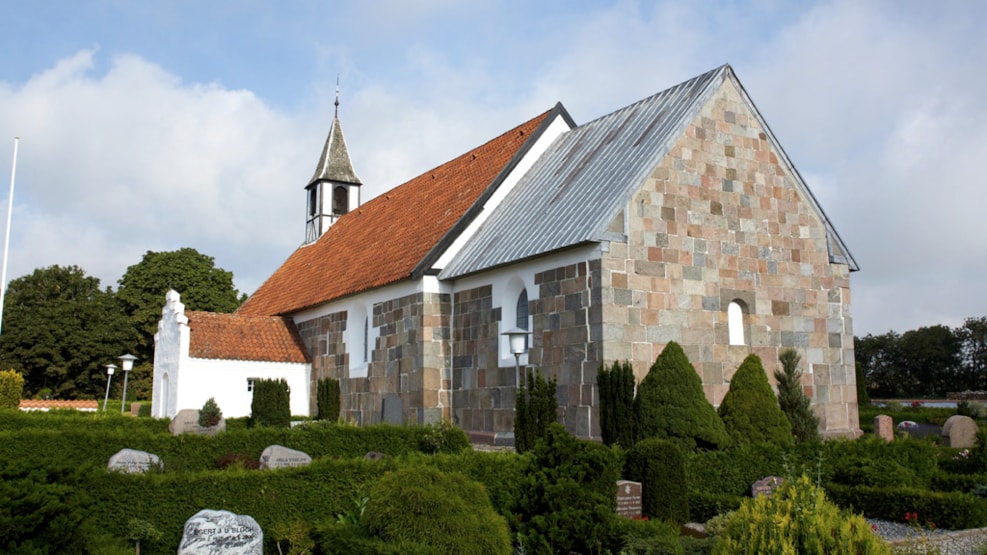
x: 443, y: 437
x: 797, y: 518
x: 536, y: 409
x: 750, y: 410
x: 670, y: 404
x: 648, y: 537
x: 328, y: 399
x: 332, y: 538
x: 660, y: 467
x: 11, y: 389
x: 793, y: 401
x: 704, y: 505
x: 444, y: 510
x: 209, y: 414
x: 954, y: 511
x: 616, y: 386
x: 271, y: 404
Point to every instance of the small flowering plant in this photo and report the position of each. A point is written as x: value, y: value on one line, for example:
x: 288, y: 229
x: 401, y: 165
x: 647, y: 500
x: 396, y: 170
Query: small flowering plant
x: 913, y: 521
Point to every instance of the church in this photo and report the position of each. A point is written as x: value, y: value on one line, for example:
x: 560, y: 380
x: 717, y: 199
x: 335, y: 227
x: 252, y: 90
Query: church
x: 676, y: 218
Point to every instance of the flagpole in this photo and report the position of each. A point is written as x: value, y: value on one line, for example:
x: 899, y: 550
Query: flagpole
x: 6, y: 238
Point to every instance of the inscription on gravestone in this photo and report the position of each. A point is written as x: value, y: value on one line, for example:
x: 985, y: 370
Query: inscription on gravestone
x: 765, y: 486
x: 133, y: 461
x: 276, y: 456
x: 628, y: 498
x: 187, y: 422
x: 211, y: 532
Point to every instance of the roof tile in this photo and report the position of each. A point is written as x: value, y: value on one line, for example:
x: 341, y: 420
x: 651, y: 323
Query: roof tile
x: 240, y: 337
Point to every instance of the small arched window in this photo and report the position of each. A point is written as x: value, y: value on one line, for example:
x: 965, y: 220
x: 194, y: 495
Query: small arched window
x: 366, y: 339
x: 340, y: 201
x: 735, y: 323
x: 521, y: 314
x: 313, y: 201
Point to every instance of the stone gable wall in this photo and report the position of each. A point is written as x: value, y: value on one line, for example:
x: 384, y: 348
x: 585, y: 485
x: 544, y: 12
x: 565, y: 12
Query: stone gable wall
x: 321, y: 336
x: 721, y: 219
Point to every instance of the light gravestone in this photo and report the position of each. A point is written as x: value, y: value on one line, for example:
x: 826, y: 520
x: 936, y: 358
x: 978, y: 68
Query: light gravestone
x: 629, y: 499
x: 277, y: 456
x: 960, y: 432
x: 187, y: 422
x: 211, y: 532
x: 884, y: 427
x: 133, y: 461
x: 765, y: 486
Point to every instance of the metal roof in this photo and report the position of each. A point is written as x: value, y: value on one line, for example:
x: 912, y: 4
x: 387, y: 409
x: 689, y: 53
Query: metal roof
x: 584, y: 179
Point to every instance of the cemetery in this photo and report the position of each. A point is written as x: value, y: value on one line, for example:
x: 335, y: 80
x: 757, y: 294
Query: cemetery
x: 671, y: 475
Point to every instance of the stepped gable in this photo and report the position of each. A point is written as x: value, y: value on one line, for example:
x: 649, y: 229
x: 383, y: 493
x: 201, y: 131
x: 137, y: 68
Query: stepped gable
x: 383, y: 241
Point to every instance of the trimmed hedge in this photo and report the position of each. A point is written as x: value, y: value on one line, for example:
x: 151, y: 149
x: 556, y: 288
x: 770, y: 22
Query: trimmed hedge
x: 660, y: 467
x: 704, y: 505
x: 950, y: 510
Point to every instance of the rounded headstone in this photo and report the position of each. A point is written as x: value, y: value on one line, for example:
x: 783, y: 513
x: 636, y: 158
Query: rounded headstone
x: 133, y: 461
x: 960, y: 432
x: 211, y: 532
x: 277, y: 456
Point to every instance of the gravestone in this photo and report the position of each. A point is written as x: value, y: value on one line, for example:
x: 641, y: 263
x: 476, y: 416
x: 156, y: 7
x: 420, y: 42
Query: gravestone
x: 210, y: 532
x: 276, y: 456
x: 884, y: 427
x: 187, y: 422
x: 765, y: 486
x: 392, y: 410
x: 959, y: 432
x: 133, y: 461
x: 374, y: 456
x: 629, y: 498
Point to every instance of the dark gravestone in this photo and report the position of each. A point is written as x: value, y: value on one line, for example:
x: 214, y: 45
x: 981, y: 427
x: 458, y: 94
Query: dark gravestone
x: 211, y: 532
x: 392, y: 410
x: 765, y: 486
x: 629, y: 498
x: 374, y: 456
x: 132, y: 461
x: 276, y: 456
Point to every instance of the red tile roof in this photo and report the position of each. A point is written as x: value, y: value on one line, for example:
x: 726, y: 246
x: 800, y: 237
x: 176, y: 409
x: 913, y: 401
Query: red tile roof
x: 42, y: 404
x: 239, y: 337
x: 382, y: 241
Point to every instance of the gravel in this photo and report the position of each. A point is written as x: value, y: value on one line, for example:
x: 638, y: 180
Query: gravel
x: 947, y: 542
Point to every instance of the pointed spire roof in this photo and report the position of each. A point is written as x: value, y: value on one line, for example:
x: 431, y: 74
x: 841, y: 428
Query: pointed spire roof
x: 335, y: 165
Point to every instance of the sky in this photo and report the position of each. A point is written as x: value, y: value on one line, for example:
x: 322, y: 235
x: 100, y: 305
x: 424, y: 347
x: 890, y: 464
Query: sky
x: 158, y: 125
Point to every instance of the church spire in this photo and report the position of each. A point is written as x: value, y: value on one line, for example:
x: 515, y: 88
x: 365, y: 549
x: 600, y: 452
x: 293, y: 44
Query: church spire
x: 334, y: 189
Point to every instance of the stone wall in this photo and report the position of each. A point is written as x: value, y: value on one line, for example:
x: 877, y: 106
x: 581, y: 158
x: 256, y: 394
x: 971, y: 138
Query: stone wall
x: 323, y: 337
x: 722, y: 219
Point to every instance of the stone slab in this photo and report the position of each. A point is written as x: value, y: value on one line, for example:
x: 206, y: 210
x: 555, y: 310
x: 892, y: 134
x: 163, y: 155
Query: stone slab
x: 629, y: 498
x: 884, y: 427
x: 277, y: 456
x: 133, y: 461
x: 211, y: 532
x: 960, y: 432
x: 392, y: 410
x: 765, y: 486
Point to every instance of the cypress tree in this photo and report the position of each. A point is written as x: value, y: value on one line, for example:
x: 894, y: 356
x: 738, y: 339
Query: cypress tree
x: 608, y: 424
x: 328, y: 399
x: 271, y: 404
x: 536, y: 408
x: 750, y: 410
x: 793, y: 401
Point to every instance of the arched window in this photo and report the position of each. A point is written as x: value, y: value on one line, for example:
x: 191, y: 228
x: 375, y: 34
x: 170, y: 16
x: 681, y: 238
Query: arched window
x: 366, y: 339
x: 313, y: 200
x: 735, y: 323
x: 521, y: 314
x: 340, y: 201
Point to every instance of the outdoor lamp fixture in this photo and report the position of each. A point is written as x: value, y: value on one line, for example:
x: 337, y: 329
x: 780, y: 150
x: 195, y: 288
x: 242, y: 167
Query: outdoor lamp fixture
x: 127, y: 362
x: 110, y: 369
x: 518, y: 339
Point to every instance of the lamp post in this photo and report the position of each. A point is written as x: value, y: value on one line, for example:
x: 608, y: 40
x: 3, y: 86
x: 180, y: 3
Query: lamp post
x: 110, y: 369
x: 517, y: 338
x: 127, y: 362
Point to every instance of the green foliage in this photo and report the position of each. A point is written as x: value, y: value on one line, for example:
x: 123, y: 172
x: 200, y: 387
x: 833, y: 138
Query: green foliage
x: 140, y: 530
x: 647, y: 537
x: 949, y: 510
x: 704, y: 505
x: 201, y: 284
x: 750, y: 410
x: 567, y: 499
x: 732, y: 471
x: 660, y: 467
x: 863, y: 396
x: 797, y: 519
x: 327, y: 399
x: 864, y: 459
x: 501, y: 473
x: 59, y: 331
x: 11, y: 389
x: 271, y: 404
x: 445, y: 510
x: 348, y: 539
x: 444, y: 437
x: 536, y: 409
x: 616, y: 386
x: 670, y: 404
x: 793, y: 401
x: 209, y: 414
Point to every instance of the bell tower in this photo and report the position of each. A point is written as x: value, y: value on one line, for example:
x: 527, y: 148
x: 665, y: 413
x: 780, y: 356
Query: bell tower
x: 334, y: 189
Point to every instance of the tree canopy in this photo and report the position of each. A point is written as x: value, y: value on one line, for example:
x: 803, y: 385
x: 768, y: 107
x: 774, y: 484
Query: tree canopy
x: 195, y: 276
x: 60, y: 330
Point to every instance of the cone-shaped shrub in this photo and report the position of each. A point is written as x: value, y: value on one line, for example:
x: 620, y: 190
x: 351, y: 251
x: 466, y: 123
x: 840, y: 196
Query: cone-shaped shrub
x: 271, y: 404
x: 793, y: 401
x: 328, y: 399
x: 616, y: 386
x: 750, y: 409
x: 209, y: 414
x: 670, y: 404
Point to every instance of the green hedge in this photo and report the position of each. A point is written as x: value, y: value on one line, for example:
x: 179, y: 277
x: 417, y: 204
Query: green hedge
x: 73, y: 420
x: 953, y: 510
x: 704, y: 505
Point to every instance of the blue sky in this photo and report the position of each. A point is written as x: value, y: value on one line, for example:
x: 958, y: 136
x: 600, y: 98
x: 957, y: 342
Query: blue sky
x: 162, y: 124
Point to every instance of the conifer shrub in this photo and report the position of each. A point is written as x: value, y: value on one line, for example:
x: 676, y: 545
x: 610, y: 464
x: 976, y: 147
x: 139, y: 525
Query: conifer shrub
x: 616, y: 387
x: 445, y: 510
x: 271, y: 404
x: 536, y: 409
x: 793, y: 401
x: 328, y: 399
x: 797, y: 518
x: 11, y: 389
x: 209, y: 414
x: 670, y: 404
x: 750, y: 410
x: 660, y: 467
